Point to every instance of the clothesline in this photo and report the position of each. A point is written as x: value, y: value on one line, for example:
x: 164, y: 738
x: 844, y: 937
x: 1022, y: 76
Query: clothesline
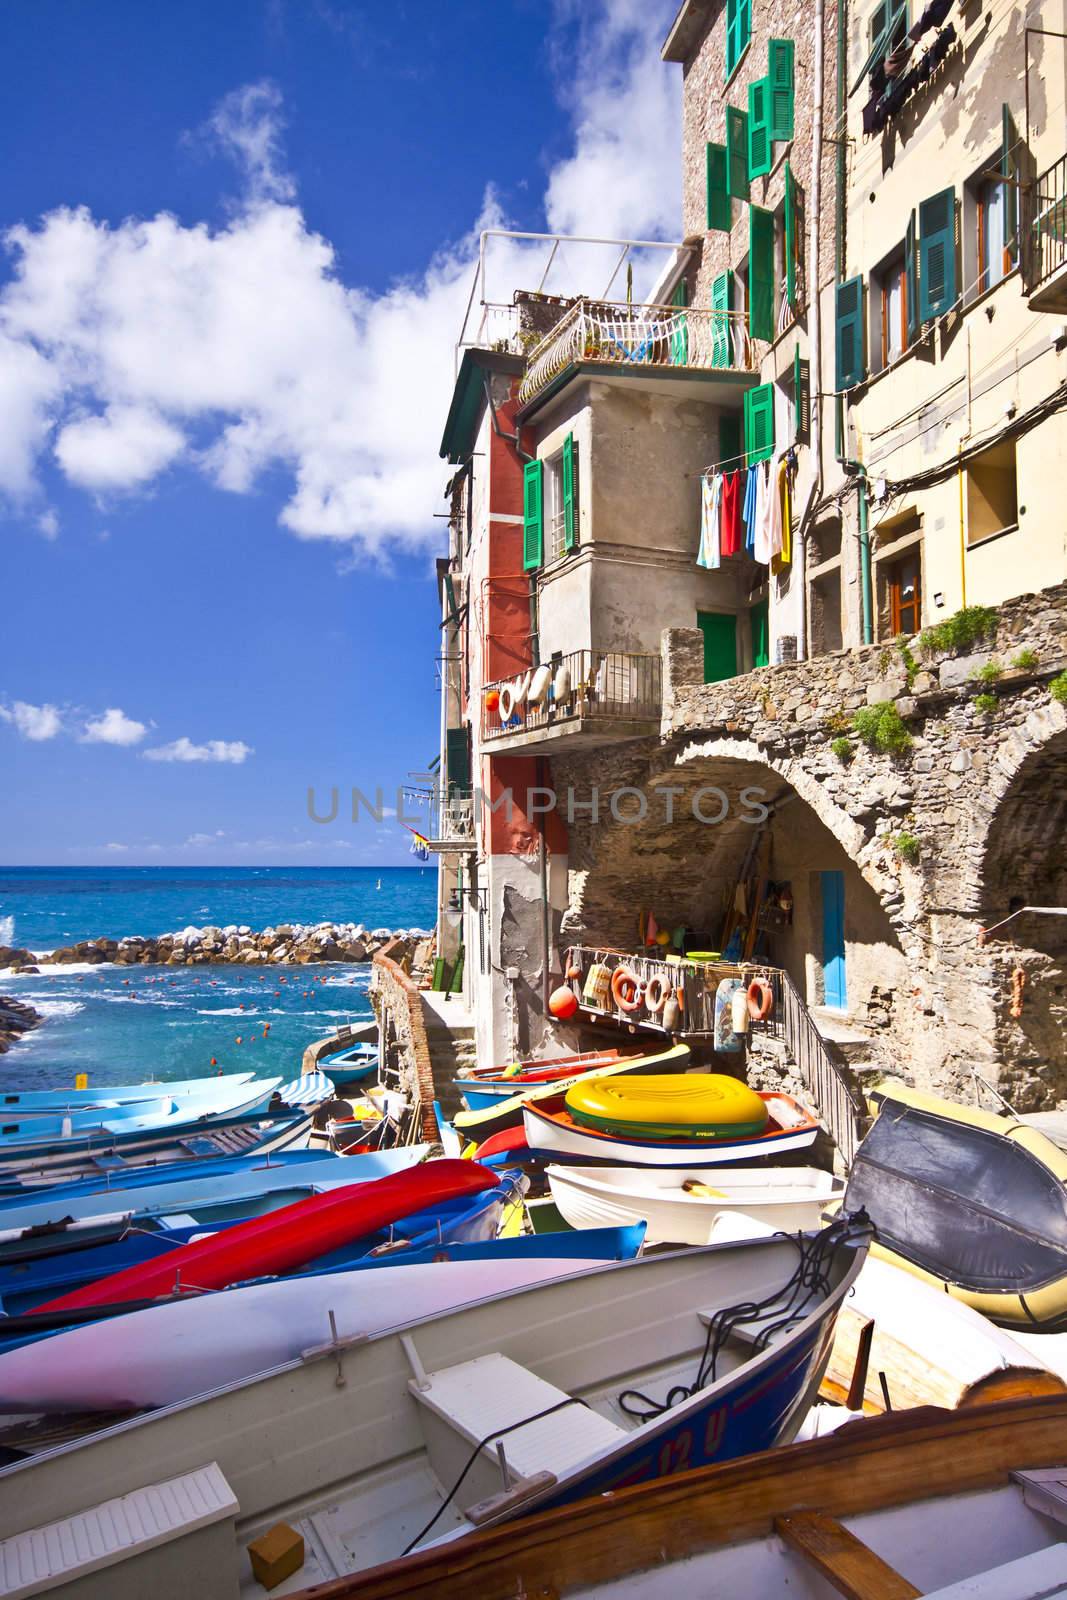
x: 750, y: 511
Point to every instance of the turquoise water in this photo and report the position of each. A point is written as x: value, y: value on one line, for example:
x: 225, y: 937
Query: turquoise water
x: 42, y: 908
x: 119, y: 1024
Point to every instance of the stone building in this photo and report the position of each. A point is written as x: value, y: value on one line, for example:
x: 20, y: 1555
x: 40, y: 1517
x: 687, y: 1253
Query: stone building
x: 865, y: 304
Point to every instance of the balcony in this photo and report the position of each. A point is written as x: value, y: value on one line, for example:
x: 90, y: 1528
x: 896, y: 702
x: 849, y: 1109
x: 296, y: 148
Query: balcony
x: 451, y: 825
x: 606, y: 337
x: 586, y: 697
x: 1044, y: 239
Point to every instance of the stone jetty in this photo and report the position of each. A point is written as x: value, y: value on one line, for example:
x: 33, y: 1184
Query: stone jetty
x: 16, y: 1018
x: 289, y: 944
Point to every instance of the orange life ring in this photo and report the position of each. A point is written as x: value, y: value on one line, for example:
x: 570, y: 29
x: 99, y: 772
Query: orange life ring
x: 760, y: 998
x: 657, y: 993
x: 626, y: 989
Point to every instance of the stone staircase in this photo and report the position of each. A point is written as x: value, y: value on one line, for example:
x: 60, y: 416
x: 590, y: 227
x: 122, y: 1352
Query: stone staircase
x: 450, y: 1037
x: 850, y: 1047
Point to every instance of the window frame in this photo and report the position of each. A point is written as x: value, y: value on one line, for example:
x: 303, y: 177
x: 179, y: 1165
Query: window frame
x: 893, y: 580
x: 553, y: 514
x: 890, y: 273
x: 975, y: 461
x: 731, y: 68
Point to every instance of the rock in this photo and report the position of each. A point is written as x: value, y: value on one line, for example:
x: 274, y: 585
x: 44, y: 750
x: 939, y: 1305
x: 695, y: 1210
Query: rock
x: 11, y: 957
x: 958, y: 670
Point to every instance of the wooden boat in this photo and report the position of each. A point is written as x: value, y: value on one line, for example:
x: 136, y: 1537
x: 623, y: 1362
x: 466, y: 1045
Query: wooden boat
x: 37, y: 1136
x: 553, y: 1133
x: 534, y: 1071
x: 285, y: 1239
x: 28, y: 1102
x: 501, y: 1407
x: 480, y: 1125
x: 966, y: 1505
x: 590, y: 1244
x: 973, y: 1202
x: 354, y: 1064
x: 681, y: 1207
x: 201, y: 1190
x: 901, y: 1342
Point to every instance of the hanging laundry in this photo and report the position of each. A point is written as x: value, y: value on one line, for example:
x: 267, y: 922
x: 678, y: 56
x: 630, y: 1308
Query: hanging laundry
x: 749, y: 512
x: 784, y: 553
x: 774, y: 509
x: 708, y: 555
x: 877, y: 79
x: 766, y: 495
x: 730, y: 525
x: 897, y: 60
x: 932, y: 17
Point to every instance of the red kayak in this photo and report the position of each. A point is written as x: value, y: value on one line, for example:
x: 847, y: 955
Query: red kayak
x: 500, y: 1143
x: 286, y: 1238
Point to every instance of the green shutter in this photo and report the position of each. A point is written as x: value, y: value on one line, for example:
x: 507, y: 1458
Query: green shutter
x: 759, y: 423
x: 729, y: 441
x: 737, y: 153
x: 533, y: 523
x: 719, y: 218
x: 780, y: 79
x: 570, y: 514
x: 722, y: 300
x: 738, y: 32
x: 759, y: 128
x: 790, y: 209
x: 850, y: 368
x: 802, y: 394
x: 680, y: 327
x: 759, y: 624
x: 457, y: 761
x: 1011, y: 172
x: 911, y: 280
x: 937, y: 254
x: 760, y: 273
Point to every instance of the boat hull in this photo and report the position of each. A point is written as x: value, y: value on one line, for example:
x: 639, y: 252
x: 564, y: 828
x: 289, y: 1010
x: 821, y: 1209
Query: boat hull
x: 480, y: 1125
x: 554, y: 1135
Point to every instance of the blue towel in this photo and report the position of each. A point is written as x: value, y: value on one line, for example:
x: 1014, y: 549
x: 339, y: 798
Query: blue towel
x: 749, y: 510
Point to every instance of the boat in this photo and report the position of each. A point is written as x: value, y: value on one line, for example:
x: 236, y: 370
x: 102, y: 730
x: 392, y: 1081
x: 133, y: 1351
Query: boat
x: 354, y: 1064
x: 691, y: 1105
x: 29, y: 1101
x: 900, y: 1342
x: 681, y: 1207
x: 965, y: 1505
x: 587, y: 1244
x: 507, y: 1113
x: 284, y: 1239
x: 379, y: 1439
x: 553, y: 1133
x: 969, y: 1200
x: 537, y: 1071
x: 26, y: 1137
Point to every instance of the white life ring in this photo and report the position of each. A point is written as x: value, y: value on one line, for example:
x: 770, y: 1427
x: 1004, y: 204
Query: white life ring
x: 522, y: 689
x: 657, y: 992
x: 539, y: 683
x: 561, y: 684
x: 507, y: 703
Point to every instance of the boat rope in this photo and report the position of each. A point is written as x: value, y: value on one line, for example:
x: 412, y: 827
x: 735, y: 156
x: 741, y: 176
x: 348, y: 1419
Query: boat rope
x: 497, y: 1433
x: 773, y: 1315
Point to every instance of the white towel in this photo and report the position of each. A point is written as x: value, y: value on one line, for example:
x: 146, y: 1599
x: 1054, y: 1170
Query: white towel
x: 708, y: 554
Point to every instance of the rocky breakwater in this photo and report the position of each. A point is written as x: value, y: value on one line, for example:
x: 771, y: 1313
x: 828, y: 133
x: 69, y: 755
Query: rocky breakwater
x: 289, y: 944
x: 16, y: 1018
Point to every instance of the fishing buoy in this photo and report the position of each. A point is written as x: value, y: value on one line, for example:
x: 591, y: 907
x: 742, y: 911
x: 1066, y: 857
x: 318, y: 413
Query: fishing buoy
x: 492, y: 700
x: 760, y: 999
x: 266, y: 1027
x: 238, y: 1039
x: 739, y: 1011
x: 563, y: 1003
x: 214, y: 1063
x: 561, y: 684
x: 539, y: 683
x: 672, y: 1014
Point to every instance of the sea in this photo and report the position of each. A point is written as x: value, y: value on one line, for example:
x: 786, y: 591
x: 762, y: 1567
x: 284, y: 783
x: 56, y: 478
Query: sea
x: 123, y: 1024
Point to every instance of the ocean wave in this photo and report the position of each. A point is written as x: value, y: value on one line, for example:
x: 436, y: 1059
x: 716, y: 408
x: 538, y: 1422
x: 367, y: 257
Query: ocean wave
x: 57, y: 1008
x: 61, y: 969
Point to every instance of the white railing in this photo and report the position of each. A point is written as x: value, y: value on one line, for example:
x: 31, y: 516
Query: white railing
x: 642, y: 336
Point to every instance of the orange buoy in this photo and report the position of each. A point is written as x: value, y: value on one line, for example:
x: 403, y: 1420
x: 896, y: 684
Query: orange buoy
x: 214, y: 1063
x: 563, y: 1003
x: 238, y: 1039
x: 492, y: 700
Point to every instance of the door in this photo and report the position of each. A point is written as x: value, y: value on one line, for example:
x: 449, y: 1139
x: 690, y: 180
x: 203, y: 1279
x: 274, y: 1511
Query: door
x: 720, y: 645
x: 833, y: 939
x: 761, y: 637
x: 904, y: 586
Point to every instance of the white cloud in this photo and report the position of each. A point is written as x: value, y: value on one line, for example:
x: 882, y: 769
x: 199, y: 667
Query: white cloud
x: 196, y: 841
x: 234, y: 751
x: 124, y: 448
x: 113, y: 727
x: 116, y: 848
x: 35, y: 723
x: 48, y: 524
x: 239, y: 349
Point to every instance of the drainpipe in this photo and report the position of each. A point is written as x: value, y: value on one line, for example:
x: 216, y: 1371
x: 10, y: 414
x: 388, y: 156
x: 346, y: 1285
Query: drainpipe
x: 814, y: 332
x: 863, y: 506
x: 542, y: 863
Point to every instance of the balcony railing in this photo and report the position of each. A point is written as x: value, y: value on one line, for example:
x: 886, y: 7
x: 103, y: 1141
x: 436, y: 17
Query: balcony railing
x: 642, y: 336
x: 582, y: 686
x: 1044, y: 225
x: 451, y: 824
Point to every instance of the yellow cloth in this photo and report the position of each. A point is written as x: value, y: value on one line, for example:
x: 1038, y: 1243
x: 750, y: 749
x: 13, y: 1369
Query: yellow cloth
x: 786, y: 554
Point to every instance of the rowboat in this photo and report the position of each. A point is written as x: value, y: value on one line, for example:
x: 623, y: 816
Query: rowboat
x: 24, y: 1138
x: 190, y: 1188
x: 381, y: 1439
x: 681, y: 1207
x: 966, y: 1505
x: 354, y: 1064
x: 973, y: 1202
x: 480, y: 1125
x: 552, y: 1132
x: 31, y: 1101
x: 535, y: 1071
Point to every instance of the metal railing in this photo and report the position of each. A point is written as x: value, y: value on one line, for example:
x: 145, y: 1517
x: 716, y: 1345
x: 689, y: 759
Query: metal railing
x: 583, y: 685
x: 451, y: 822
x: 839, y: 1107
x: 641, y: 336
x: 1044, y: 225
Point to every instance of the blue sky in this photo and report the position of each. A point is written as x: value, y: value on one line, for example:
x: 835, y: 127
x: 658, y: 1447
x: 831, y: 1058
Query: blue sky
x: 238, y: 240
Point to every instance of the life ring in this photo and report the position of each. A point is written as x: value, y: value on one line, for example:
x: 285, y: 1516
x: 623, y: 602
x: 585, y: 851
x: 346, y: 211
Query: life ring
x: 561, y: 684
x: 760, y: 998
x: 539, y: 683
x: 522, y: 689
x: 626, y: 990
x: 657, y: 992
x: 506, y: 703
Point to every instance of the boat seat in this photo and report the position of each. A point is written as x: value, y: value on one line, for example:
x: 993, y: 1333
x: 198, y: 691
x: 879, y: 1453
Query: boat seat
x: 193, y: 1515
x: 744, y: 1332
x: 479, y: 1397
x: 109, y: 1163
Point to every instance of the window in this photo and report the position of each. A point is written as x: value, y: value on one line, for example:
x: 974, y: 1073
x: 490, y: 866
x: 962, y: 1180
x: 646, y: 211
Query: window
x: 886, y: 28
x: 891, y: 309
x: 992, y: 492
x: 561, y: 500
x: 738, y: 32
x: 903, y: 591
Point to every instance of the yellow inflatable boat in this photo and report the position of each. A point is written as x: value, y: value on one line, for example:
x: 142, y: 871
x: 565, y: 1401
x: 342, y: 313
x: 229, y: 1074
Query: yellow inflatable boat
x: 696, y: 1105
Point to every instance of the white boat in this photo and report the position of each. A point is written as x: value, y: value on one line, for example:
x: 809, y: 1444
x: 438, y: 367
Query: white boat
x: 27, y: 1101
x: 373, y: 1442
x: 681, y: 1206
x: 552, y: 1131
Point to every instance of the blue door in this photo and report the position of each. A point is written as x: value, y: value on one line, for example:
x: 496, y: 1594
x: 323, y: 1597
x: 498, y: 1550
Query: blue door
x: 833, y: 939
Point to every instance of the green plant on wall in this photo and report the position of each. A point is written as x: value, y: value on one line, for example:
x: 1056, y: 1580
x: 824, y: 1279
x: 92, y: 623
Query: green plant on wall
x: 839, y: 722
x: 908, y: 846
x: 991, y: 673
x: 881, y: 727
x: 1026, y: 661
x: 985, y: 703
x: 842, y: 749
x: 1058, y: 688
x: 959, y: 632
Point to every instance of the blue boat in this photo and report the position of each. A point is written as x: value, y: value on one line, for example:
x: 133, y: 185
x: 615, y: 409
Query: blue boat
x: 579, y: 1244
x: 27, y: 1101
x: 175, y: 1188
x: 355, y: 1064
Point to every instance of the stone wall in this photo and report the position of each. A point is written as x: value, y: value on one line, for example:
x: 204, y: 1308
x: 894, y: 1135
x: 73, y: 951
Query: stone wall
x: 397, y: 1004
